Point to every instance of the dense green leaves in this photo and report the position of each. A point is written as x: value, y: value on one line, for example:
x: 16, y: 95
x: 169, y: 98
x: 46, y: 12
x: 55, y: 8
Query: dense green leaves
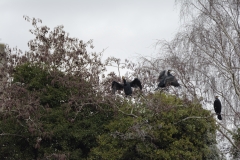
x: 235, y: 149
x: 158, y: 126
x: 38, y: 79
x: 54, y: 124
x: 182, y: 132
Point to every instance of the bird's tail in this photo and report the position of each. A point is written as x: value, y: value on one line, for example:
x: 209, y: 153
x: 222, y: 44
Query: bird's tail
x: 219, y: 117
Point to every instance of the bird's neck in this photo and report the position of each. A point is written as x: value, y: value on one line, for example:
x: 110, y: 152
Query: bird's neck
x: 124, y: 81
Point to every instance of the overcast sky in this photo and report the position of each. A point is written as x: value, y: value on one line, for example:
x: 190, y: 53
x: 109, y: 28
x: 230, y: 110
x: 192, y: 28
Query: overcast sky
x: 125, y: 27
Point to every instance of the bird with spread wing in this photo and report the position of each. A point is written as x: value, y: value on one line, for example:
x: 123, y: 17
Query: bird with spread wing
x: 126, y: 86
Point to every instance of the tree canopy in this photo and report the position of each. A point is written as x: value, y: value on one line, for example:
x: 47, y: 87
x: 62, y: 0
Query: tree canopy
x: 161, y: 126
x: 58, y: 105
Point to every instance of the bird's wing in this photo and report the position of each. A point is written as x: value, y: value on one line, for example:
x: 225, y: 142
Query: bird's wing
x: 116, y: 86
x: 161, y: 76
x: 169, y: 79
x: 215, y: 109
x: 175, y: 83
x: 136, y: 83
x: 217, y: 106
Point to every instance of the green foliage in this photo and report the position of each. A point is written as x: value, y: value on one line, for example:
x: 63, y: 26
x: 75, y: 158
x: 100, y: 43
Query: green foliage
x: 61, y: 134
x: 15, y: 141
x: 71, y: 135
x: 56, y: 128
x: 158, y: 126
x: 39, y: 80
x: 184, y: 131
x: 235, y: 151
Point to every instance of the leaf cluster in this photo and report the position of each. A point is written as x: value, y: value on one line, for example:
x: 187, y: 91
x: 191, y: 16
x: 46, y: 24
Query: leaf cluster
x: 183, y: 131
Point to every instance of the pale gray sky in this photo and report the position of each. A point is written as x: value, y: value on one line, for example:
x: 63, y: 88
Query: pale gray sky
x: 126, y: 27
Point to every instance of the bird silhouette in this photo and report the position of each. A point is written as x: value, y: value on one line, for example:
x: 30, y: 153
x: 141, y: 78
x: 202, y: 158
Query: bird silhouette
x: 167, y: 79
x: 126, y: 86
x: 217, y: 107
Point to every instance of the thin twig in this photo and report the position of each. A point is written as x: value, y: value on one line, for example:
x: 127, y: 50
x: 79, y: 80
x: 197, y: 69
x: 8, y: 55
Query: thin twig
x: 193, y: 117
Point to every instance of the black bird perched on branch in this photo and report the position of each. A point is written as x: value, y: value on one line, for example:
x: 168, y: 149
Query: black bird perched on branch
x: 166, y: 79
x: 218, y: 107
x: 126, y: 86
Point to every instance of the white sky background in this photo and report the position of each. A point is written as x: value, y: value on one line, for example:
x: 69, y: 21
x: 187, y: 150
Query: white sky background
x: 127, y: 28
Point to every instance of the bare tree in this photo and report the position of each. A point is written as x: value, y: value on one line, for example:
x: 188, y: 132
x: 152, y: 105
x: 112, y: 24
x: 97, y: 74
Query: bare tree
x: 205, y: 56
x: 2, y: 70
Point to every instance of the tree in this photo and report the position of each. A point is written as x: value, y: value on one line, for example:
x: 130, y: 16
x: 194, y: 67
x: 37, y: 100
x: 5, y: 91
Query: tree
x: 54, y: 128
x: 157, y: 127
x: 57, y: 105
x: 52, y: 97
x: 205, y: 58
x: 176, y: 129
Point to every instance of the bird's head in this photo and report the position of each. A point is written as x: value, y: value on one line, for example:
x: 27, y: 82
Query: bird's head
x: 124, y: 80
x: 169, y: 72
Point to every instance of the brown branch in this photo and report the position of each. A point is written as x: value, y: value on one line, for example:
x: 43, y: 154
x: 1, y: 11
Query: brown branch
x: 228, y: 139
x: 132, y: 115
x: 193, y: 117
x: 225, y: 128
x: 9, y: 134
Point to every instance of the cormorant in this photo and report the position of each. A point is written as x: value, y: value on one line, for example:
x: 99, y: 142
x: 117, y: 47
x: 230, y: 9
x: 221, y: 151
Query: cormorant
x: 218, y: 107
x: 126, y: 86
x: 166, y: 79
x: 164, y: 74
